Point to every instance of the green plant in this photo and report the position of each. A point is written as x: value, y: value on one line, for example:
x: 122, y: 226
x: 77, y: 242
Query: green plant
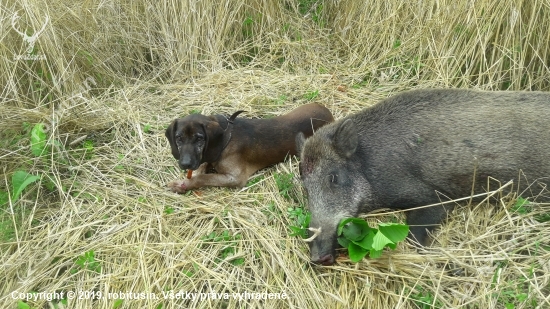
x: 230, y: 243
x: 301, y: 218
x: 23, y: 305
x: 254, y: 181
x: 118, y: 303
x: 311, y: 95
x: 522, y: 207
x: 19, y: 181
x: 425, y: 300
x: 514, y: 291
x: 87, y: 261
x: 360, y: 239
x: 39, y: 140
x: 88, y: 146
x: 281, y: 100
x: 284, y: 183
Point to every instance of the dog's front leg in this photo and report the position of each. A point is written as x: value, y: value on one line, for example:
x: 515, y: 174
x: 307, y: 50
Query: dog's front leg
x: 208, y: 180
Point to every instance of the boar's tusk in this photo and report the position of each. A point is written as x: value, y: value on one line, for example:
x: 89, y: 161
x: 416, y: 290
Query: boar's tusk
x: 315, y: 233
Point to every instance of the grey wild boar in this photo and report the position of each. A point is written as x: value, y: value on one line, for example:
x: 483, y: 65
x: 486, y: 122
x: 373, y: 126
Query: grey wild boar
x: 418, y: 148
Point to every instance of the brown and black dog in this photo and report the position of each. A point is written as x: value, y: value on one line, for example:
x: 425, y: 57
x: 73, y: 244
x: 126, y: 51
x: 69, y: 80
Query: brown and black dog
x: 237, y: 148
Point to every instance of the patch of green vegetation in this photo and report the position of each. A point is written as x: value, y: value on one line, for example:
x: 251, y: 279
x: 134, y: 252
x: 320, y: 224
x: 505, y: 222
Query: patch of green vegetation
x: 425, y: 300
x: 300, y: 221
x: 118, y: 303
x: 23, y: 305
x: 310, y: 96
x: 146, y: 128
x: 88, y: 147
x: 271, y: 211
x: 523, y: 207
x: 19, y: 181
x: 360, y: 239
x: 515, y: 292
x: 229, y: 243
x: 313, y: 8
x: 254, y: 180
x: 86, y: 261
x: 284, y: 184
x: 168, y: 210
x: 281, y: 100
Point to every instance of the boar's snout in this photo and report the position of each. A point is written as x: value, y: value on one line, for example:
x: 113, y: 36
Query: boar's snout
x: 326, y: 260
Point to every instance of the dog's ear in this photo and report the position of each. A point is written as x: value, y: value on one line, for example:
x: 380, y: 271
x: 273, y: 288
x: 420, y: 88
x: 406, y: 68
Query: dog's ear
x: 214, y: 140
x: 171, y: 136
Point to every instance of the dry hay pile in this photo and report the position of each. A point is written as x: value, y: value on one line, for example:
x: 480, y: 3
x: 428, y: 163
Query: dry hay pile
x: 106, y: 79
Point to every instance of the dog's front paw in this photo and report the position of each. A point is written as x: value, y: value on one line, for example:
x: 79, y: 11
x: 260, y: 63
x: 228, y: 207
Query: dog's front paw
x: 179, y: 186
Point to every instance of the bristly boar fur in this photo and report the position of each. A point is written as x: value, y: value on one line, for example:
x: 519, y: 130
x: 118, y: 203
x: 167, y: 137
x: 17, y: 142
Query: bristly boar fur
x: 417, y: 148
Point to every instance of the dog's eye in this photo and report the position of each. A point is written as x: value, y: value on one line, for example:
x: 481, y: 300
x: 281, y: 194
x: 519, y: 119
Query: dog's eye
x: 199, y: 137
x: 333, y: 178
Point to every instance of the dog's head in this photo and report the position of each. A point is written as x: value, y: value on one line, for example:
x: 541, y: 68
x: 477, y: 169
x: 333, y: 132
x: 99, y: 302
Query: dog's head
x: 195, y: 139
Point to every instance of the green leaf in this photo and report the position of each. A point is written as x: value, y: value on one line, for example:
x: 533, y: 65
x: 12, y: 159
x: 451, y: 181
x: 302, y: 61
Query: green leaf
x: 374, y: 254
x: 360, y: 223
x: 356, y: 253
x: 118, y: 303
x: 343, y: 241
x: 4, y: 198
x: 394, y: 231
x: 366, y: 242
x: 22, y: 305
x: 354, y: 231
x: 380, y: 241
x: 38, y: 140
x: 19, y: 181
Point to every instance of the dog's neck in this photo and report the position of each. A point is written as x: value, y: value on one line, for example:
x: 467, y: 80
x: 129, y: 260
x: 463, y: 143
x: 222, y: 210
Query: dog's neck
x: 227, y: 133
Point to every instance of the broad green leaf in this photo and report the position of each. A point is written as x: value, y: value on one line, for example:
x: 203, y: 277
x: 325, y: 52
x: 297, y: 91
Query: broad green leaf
x: 380, y: 241
x: 3, y: 198
x: 38, y: 140
x: 355, y: 229
x: 19, y: 181
x: 354, y: 220
x: 22, y: 305
x: 394, y: 231
x: 356, y: 253
x: 366, y: 242
x: 343, y: 241
x: 354, y: 232
x: 374, y: 254
x: 118, y: 303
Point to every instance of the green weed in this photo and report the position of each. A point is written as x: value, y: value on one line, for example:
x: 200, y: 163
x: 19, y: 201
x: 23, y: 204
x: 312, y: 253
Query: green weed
x: 19, y: 181
x: 301, y: 219
x: 87, y: 261
x: 284, y: 184
x: 254, y: 180
x: 310, y: 96
x: 425, y: 300
x: 230, y: 244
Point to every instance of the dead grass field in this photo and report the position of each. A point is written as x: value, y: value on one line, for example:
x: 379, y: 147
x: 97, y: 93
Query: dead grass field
x: 106, y: 78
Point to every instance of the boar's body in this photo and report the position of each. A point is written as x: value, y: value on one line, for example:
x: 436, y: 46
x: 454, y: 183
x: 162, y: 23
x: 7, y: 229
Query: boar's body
x: 417, y: 147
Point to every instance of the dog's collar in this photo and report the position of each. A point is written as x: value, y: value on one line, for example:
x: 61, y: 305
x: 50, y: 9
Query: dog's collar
x: 227, y: 132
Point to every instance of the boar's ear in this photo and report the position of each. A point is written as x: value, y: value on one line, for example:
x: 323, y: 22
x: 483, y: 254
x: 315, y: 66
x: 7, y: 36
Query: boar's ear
x: 300, y: 140
x: 345, y: 139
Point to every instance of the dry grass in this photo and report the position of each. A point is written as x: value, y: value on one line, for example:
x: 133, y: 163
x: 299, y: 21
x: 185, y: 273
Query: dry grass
x: 116, y: 73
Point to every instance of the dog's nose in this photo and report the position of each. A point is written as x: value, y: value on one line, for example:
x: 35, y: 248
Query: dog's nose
x: 185, y: 162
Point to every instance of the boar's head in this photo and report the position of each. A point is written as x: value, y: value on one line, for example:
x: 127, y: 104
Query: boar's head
x: 332, y: 175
